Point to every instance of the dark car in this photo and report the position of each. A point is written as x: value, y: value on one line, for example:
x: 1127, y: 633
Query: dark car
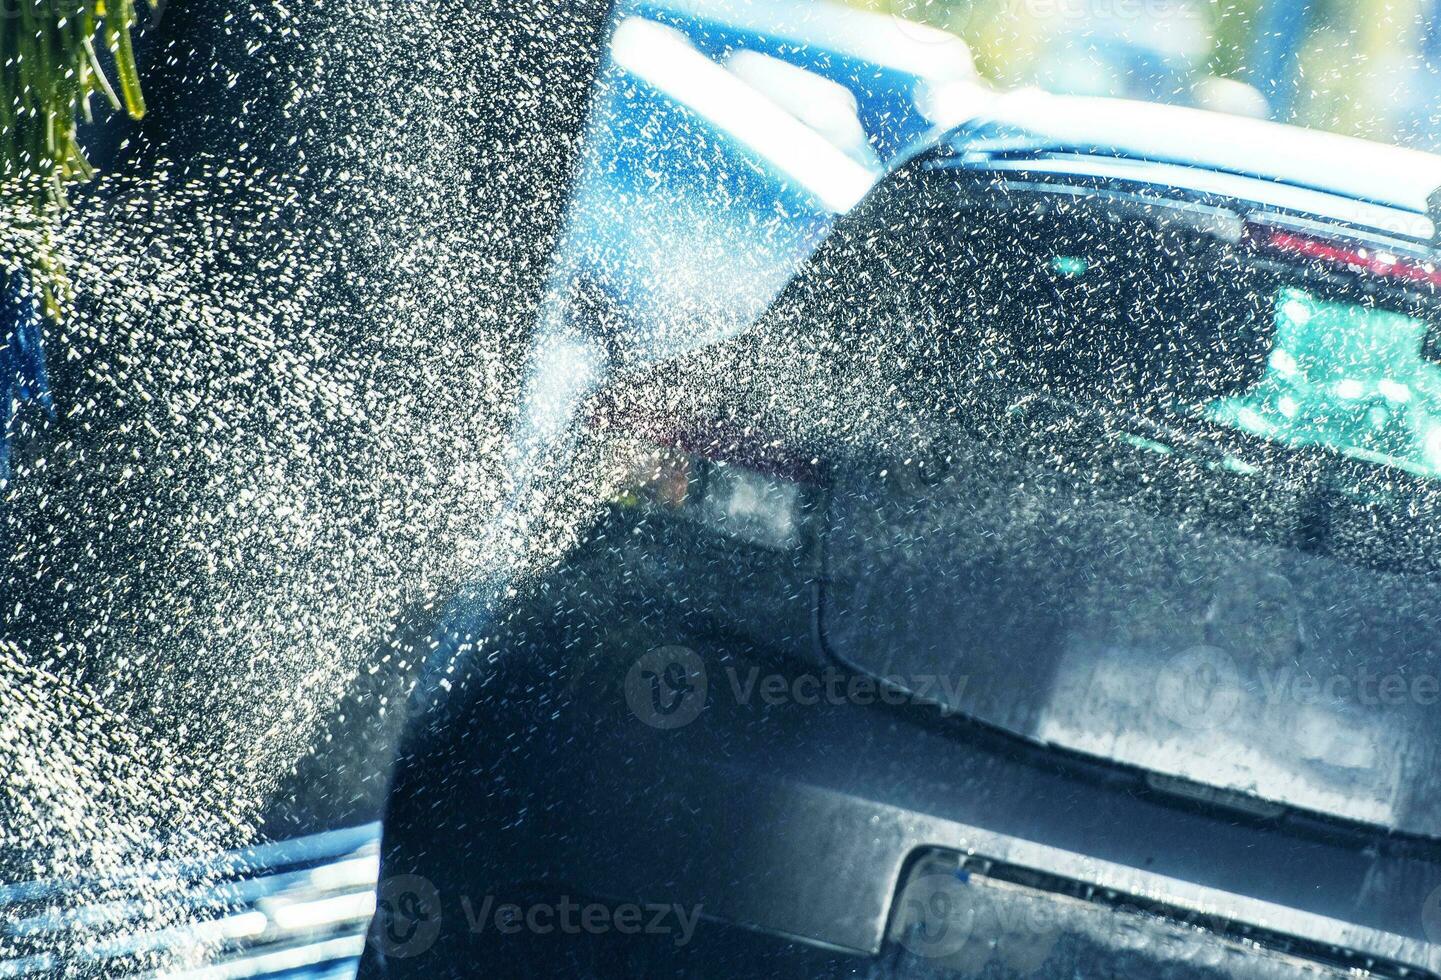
x: 1046, y: 586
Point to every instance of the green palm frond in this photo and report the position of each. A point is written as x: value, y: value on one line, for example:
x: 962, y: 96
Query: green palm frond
x: 50, y: 68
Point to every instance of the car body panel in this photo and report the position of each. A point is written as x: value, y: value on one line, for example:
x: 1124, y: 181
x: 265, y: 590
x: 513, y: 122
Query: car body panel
x: 803, y: 820
x: 799, y: 819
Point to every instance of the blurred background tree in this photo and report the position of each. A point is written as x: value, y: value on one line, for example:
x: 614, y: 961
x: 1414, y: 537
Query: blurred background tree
x: 1366, y: 68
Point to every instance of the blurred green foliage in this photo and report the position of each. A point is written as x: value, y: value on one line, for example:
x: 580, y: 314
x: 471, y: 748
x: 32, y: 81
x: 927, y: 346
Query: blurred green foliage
x: 1351, y: 58
x: 51, y: 66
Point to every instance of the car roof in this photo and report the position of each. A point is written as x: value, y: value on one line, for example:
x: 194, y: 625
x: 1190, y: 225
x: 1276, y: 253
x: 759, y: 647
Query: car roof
x: 1203, y: 151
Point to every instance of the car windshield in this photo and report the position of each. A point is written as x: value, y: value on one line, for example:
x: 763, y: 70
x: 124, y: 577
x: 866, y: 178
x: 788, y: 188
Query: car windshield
x: 1225, y: 578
